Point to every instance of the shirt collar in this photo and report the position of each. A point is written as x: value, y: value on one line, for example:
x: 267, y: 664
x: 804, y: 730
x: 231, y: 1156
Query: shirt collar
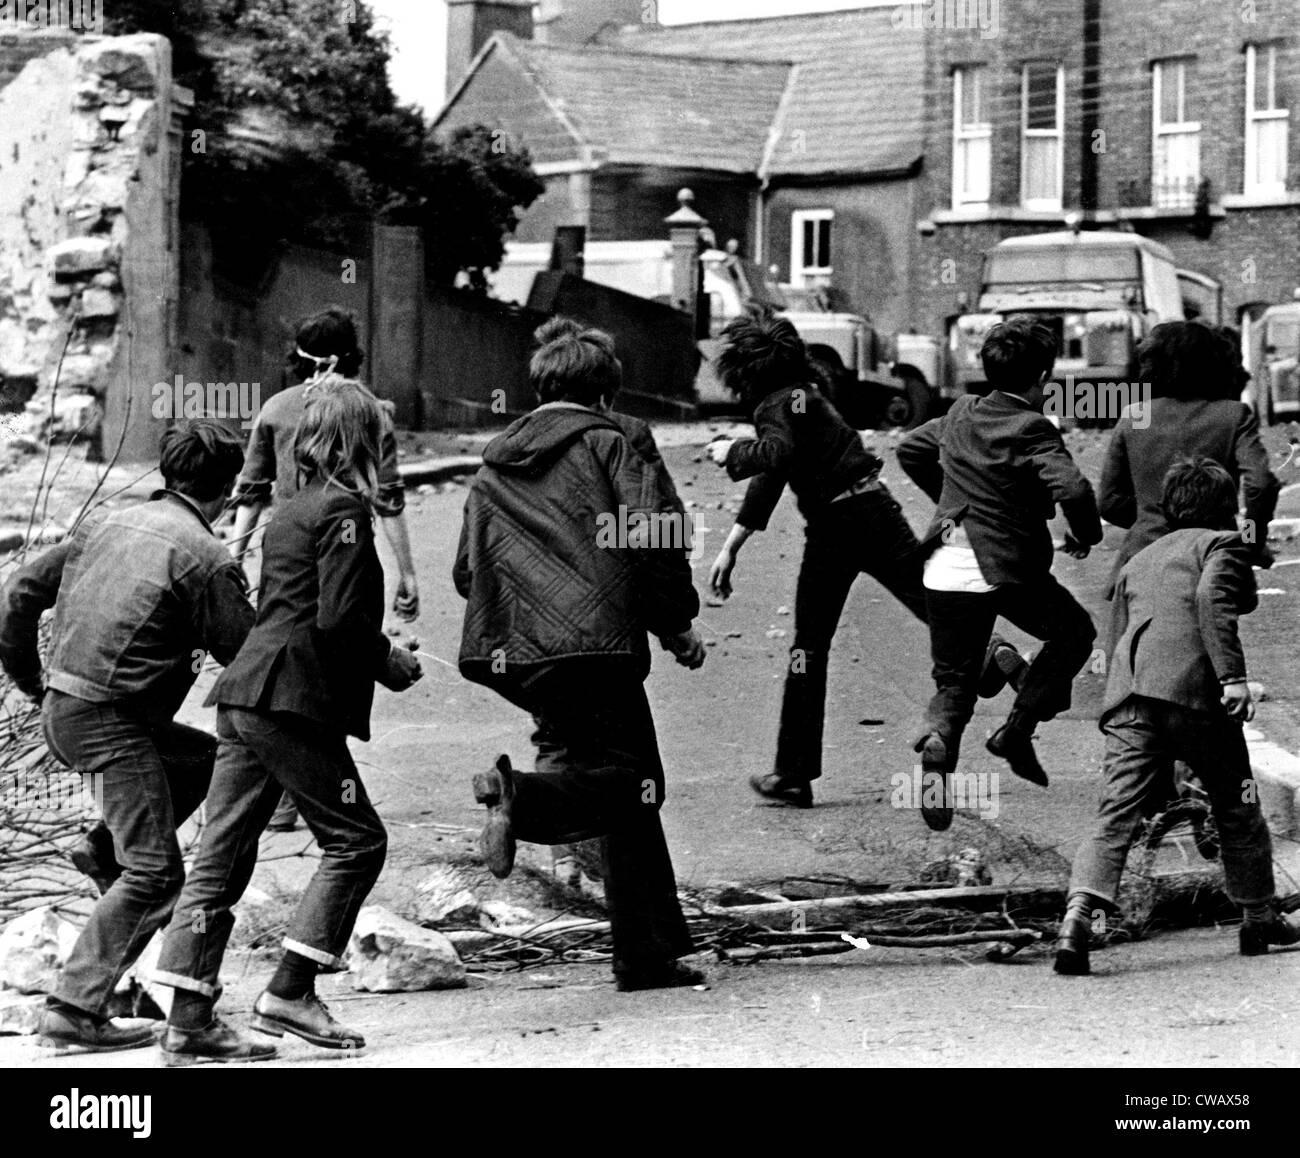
x: 164, y: 492
x: 1015, y: 398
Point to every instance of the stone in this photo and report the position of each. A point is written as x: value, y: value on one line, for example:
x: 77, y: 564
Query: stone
x: 99, y: 303
x: 75, y: 415
x: 390, y: 955
x: 131, y: 62
x: 443, y: 896
x: 82, y: 255
x: 33, y: 948
x: 502, y: 914
x: 106, y: 279
x: 20, y: 1013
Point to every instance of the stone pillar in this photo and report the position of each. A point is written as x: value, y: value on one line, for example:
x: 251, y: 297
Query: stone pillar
x: 396, y: 320
x: 684, y: 231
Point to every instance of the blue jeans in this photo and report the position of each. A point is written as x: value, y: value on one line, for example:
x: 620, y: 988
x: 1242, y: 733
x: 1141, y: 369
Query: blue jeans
x: 1143, y: 738
x: 149, y: 777
x: 260, y: 755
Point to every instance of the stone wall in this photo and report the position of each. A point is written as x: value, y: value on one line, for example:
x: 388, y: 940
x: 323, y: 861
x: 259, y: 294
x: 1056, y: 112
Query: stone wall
x: 88, y: 281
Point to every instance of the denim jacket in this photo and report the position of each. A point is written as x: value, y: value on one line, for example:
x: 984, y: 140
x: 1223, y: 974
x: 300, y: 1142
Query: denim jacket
x: 140, y: 597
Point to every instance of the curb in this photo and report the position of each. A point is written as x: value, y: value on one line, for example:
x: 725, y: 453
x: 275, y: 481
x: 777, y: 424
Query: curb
x: 1277, y: 772
x: 436, y: 470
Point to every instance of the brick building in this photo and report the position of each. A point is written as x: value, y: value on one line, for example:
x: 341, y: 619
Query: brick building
x: 1169, y: 117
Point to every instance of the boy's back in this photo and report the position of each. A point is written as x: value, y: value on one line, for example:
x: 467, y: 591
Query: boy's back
x: 1176, y: 608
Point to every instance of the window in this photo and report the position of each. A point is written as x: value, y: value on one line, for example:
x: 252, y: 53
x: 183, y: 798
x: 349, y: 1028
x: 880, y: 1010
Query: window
x: 972, y: 138
x: 1267, y: 123
x: 810, y: 246
x: 1176, y: 167
x: 1042, y: 104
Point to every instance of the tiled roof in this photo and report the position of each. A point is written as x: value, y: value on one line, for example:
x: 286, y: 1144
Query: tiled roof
x: 693, y: 110
x: 855, y: 100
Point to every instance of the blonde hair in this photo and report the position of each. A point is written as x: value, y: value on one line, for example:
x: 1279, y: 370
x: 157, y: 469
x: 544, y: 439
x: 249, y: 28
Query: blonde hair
x: 339, y: 436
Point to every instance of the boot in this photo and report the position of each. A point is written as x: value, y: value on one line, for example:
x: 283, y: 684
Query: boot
x: 66, y: 1028
x: 217, y: 1043
x: 1073, y: 937
x: 1257, y: 935
x: 935, y: 782
x: 1003, y: 665
x: 783, y: 789
x: 496, y: 842
x: 93, y: 857
x: 1013, y: 742
x: 307, y: 1017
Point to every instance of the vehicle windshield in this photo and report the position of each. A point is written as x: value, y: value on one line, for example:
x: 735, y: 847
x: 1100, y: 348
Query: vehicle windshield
x: 1071, y: 265
x: 1284, y: 336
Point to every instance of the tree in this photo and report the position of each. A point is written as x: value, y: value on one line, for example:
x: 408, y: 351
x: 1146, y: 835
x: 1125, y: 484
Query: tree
x: 303, y: 138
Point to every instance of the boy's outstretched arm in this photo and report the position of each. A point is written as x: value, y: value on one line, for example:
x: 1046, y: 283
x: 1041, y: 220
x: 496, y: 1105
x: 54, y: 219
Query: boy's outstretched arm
x: 918, y: 456
x: 1065, y: 484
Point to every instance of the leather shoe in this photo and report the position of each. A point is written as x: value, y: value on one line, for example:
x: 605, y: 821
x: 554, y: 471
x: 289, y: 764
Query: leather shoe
x: 1072, y: 948
x: 671, y: 976
x: 1003, y: 665
x: 219, y: 1042
x: 496, y: 842
x: 936, y: 789
x: 1257, y: 936
x: 307, y: 1017
x: 1015, y: 745
x: 66, y: 1028
x: 783, y: 790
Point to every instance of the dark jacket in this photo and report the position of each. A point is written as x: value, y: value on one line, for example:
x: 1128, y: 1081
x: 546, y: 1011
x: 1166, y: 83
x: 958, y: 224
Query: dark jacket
x: 998, y: 468
x: 548, y: 557
x: 270, y: 470
x: 1138, y: 457
x: 140, y: 597
x: 318, y: 645
x: 803, y: 441
x: 1175, y: 615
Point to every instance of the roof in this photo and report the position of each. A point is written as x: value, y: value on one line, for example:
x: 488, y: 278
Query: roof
x: 855, y: 102
x: 1096, y: 238
x: 811, y: 96
x: 688, y: 111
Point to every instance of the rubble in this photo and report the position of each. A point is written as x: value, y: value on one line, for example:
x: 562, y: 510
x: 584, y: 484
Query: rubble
x: 20, y: 1013
x: 445, y: 897
x: 33, y: 948
x: 388, y: 954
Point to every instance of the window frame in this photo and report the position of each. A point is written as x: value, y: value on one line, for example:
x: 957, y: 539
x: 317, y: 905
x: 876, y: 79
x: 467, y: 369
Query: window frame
x: 1161, y: 128
x: 1050, y: 204
x: 799, y: 219
x: 1254, y: 116
x: 962, y: 134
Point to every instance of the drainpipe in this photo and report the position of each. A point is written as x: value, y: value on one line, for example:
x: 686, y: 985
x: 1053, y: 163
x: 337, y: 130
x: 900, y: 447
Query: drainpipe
x: 1090, y: 121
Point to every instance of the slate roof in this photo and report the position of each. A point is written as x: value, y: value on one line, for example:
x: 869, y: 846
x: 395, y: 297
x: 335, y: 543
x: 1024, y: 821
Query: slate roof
x: 855, y: 101
x: 812, y: 95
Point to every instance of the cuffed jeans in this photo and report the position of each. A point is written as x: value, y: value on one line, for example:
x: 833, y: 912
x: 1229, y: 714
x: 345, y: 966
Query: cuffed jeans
x: 599, y: 774
x: 961, y: 624
x: 148, y: 777
x: 862, y: 535
x: 260, y: 755
x: 1143, y: 738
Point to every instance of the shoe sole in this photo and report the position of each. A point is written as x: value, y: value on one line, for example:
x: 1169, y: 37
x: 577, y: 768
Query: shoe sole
x: 89, y: 869
x: 274, y: 1027
x: 1070, y: 964
x: 934, y: 762
x: 59, y: 1046
x: 173, y: 1060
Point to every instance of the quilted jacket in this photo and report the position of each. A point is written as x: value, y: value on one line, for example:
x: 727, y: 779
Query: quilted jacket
x: 574, y: 547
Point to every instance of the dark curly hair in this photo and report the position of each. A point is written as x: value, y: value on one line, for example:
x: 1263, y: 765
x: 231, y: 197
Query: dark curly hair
x: 1188, y: 360
x: 762, y: 352
x: 330, y: 334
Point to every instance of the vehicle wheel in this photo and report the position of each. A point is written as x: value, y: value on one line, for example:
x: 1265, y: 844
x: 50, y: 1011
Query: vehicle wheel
x: 899, y: 412
x: 920, y: 398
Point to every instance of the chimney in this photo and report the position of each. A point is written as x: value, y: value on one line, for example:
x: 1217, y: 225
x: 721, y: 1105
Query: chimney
x: 582, y: 21
x: 470, y: 25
